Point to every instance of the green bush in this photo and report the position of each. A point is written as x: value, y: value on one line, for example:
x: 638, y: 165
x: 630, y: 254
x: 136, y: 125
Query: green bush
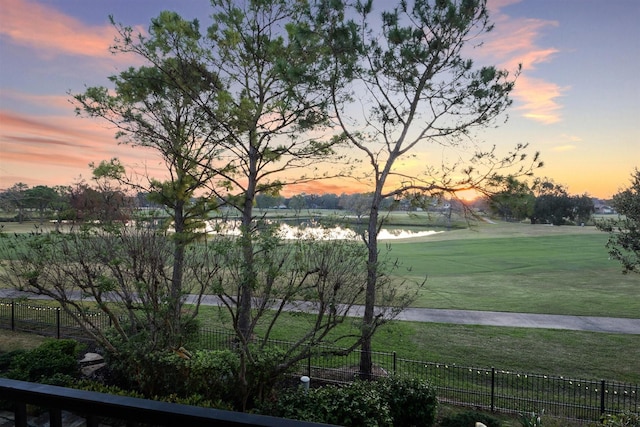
x: 212, y: 374
x: 193, y: 399
x: 392, y: 401
x: 469, y: 419
x: 6, y: 358
x: 624, y: 419
x: 89, y: 385
x: 412, y: 401
x: 160, y: 373
x: 263, y: 373
x: 53, y: 362
x: 356, y: 404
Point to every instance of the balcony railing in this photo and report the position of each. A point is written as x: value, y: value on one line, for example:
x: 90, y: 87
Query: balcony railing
x: 95, y: 406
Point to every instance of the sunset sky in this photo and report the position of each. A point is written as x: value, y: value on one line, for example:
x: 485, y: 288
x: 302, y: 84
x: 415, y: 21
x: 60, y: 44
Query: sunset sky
x: 577, y: 100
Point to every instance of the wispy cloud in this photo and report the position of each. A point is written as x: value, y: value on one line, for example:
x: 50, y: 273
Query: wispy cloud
x: 539, y: 100
x: 61, y: 142
x: 39, y: 128
x: 50, y: 33
x: 564, y: 148
x: 515, y: 41
x: 572, y: 138
x: 567, y: 143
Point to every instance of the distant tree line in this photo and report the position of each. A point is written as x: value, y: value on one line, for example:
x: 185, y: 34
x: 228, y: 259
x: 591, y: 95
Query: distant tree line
x: 100, y: 201
x: 542, y: 202
x: 74, y: 203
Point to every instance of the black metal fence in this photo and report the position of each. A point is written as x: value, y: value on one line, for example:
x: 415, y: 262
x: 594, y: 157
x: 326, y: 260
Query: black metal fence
x: 46, y: 320
x: 486, y: 388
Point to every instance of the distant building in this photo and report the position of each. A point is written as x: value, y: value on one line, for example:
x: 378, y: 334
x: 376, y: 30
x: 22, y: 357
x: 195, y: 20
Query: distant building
x: 602, y: 207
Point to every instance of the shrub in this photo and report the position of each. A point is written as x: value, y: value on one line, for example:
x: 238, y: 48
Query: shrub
x: 53, y: 362
x: 193, y: 399
x: 356, y: 404
x: 159, y: 373
x: 212, y: 374
x: 624, y: 419
x: 88, y: 385
x: 263, y: 372
x: 412, y: 401
x: 6, y: 358
x: 469, y: 419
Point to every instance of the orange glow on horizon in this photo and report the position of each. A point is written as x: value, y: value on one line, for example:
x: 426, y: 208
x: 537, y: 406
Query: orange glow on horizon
x: 468, y: 195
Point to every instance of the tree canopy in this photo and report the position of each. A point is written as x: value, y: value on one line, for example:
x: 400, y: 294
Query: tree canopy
x: 412, y: 83
x: 624, y: 232
x: 235, y: 113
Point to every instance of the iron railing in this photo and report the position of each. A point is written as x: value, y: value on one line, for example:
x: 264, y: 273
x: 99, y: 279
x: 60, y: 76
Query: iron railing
x: 492, y: 389
x: 99, y: 409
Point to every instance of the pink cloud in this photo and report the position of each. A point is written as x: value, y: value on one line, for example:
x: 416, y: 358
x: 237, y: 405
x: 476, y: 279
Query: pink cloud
x: 496, y: 5
x: 62, y: 146
x: 538, y: 99
x: 47, y: 31
x: 515, y: 41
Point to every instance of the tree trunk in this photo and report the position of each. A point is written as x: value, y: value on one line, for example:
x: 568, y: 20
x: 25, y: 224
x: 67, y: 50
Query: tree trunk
x: 366, y: 364
x: 249, y: 274
x: 177, y: 274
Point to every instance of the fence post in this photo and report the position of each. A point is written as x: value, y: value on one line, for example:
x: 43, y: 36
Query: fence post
x: 493, y: 389
x: 309, y: 366
x: 13, y: 315
x: 602, y: 385
x: 58, y: 322
x: 395, y: 361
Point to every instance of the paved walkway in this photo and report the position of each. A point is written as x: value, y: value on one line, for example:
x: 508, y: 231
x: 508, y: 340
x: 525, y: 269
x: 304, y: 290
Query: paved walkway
x: 472, y: 317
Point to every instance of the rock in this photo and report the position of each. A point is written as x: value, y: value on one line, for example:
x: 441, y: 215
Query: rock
x: 91, y: 359
x: 90, y: 370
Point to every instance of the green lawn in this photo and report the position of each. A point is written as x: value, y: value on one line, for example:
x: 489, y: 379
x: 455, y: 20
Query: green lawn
x: 519, y: 268
x: 571, y: 354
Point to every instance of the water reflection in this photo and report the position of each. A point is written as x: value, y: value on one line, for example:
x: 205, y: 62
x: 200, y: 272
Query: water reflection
x: 291, y: 232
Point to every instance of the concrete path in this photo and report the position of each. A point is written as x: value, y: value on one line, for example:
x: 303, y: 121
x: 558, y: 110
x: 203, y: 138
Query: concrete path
x: 469, y: 317
x: 525, y: 320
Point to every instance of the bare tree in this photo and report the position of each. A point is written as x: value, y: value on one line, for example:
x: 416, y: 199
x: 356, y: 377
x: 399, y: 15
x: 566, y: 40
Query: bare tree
x: 124, y: 271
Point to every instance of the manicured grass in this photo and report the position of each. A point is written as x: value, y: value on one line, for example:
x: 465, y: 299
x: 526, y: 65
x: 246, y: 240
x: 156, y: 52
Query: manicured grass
x: 571, y: 354
x: 553, y: 270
